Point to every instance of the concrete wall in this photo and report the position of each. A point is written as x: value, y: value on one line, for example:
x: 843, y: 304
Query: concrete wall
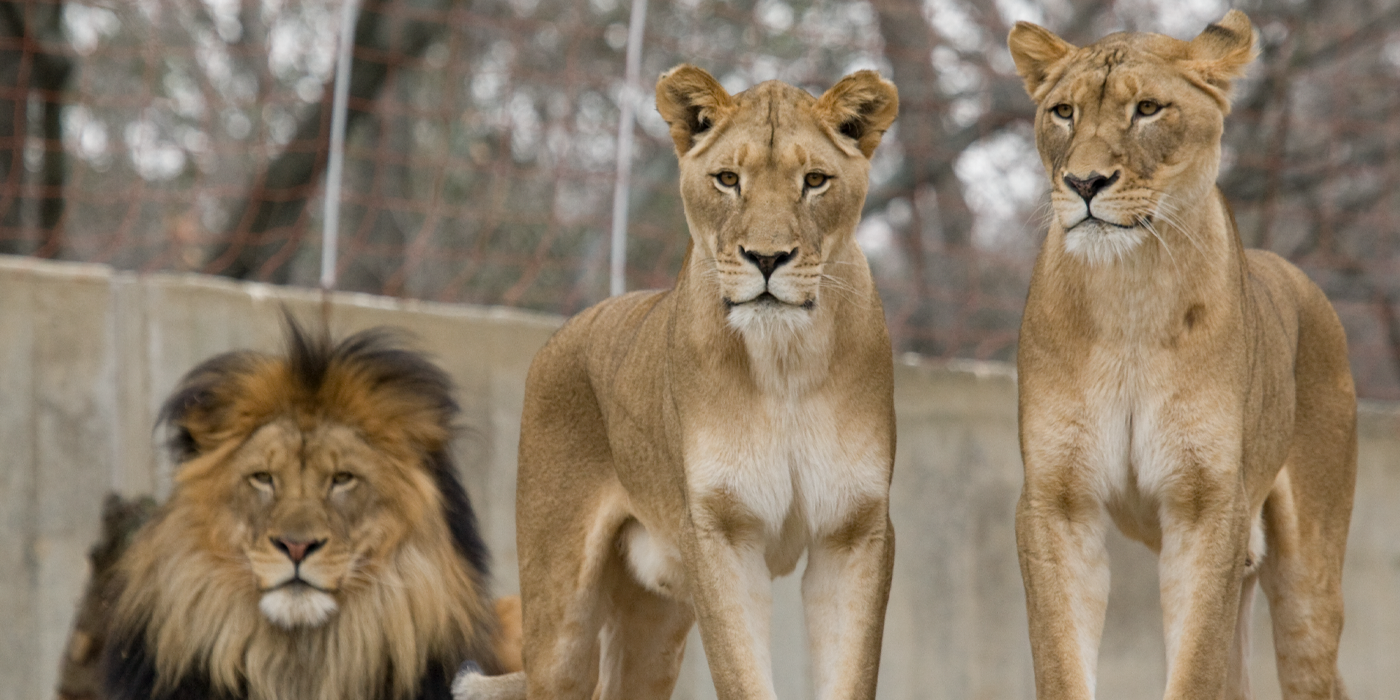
x: 87, y: 355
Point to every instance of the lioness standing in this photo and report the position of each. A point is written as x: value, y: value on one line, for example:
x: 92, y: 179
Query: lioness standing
x: 1195, y: 394
x: 680, y: 449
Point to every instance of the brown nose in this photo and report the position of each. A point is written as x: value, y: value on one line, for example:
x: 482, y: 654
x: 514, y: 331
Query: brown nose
x: 1093, y: 184
x: 767, y: 263
x: 297, y: 550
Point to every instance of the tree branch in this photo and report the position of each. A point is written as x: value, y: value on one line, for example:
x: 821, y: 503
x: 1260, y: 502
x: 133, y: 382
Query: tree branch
x: 268, y: 225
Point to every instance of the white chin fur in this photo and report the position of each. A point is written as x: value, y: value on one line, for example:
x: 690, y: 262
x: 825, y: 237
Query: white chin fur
x: 290, y: 607
x: 1098, y: 243
x: 767, y: 318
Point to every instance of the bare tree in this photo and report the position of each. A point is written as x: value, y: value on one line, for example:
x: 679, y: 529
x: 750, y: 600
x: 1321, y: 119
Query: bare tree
x: 34, y: 71
x: 499, y: 117
x: 1315, y: 166
x: 1311, y: 157
x: 267, y: 226
x: 933, y: 138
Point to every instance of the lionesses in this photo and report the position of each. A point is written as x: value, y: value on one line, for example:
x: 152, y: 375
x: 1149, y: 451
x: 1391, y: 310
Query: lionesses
x: 680, y: 449
x: 1195, y: 394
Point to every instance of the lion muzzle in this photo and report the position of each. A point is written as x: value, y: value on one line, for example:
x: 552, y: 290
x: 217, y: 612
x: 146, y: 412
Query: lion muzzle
x: 297, y: 604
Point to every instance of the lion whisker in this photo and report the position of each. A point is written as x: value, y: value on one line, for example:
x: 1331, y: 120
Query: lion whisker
x: 1146, y: 223
x: 842, y: 287
x: 1166, y: 210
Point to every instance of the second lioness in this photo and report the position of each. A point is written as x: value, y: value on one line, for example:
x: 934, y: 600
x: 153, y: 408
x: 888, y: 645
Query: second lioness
x: 1193, y: 393
x: 680, y: 449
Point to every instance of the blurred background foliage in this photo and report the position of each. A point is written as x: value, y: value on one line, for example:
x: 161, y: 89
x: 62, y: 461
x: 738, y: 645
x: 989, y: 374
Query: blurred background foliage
x: 192, y: 135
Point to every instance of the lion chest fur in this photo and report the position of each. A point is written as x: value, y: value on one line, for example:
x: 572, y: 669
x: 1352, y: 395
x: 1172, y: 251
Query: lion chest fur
x: 765, y: 431
x: 793, y: 469
x: 1144, y: 377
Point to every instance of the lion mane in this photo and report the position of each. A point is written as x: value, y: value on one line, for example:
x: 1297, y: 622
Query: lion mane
x: 317, y: 543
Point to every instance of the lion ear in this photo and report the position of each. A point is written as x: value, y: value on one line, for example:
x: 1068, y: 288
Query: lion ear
x: 1035, y: 50
x: 194, y: 414
x: 691, y: 101
x: 200, y: 411
x: 1221, y: 53
x: 861, y: 107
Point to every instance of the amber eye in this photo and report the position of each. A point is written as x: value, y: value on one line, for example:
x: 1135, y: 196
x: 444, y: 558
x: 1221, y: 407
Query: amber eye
x: 1063, y: 111
x: 727, y: 178
x: 1147, y: 108
x: 260, y: 478
x: 342, y: 478
x: 815, y: 180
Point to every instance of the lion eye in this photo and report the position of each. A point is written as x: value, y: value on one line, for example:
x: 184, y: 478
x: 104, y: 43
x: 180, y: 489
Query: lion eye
x: 1063, y: 111
x: 1147, y: 108
x: 815, y: 180
x: 342, y: 478
x: 260, y: 478
x: 727, y: 178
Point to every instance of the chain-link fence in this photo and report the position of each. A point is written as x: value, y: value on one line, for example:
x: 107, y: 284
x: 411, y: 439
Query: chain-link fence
x: 481, y: 155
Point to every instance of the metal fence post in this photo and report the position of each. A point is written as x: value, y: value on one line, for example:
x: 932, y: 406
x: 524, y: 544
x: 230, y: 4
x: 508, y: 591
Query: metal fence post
x: 630, y: 92
x: 330, y: 223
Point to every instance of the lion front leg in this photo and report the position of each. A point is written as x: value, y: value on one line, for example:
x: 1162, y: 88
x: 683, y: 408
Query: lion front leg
x: 1205, y: 536
x: 1064, y: 565
x: 732, y: 592
x: 844, y: 593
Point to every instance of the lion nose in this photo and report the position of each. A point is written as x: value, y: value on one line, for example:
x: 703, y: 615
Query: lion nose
x: 767, y: 263
x: 1093, y: 184
x: 297, y: 550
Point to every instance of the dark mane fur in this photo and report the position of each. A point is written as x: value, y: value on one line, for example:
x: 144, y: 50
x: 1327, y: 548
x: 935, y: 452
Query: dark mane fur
x: 380, y: 360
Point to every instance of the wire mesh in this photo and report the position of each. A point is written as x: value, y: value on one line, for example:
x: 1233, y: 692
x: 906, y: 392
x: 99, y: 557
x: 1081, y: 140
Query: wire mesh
x: 481, y: 153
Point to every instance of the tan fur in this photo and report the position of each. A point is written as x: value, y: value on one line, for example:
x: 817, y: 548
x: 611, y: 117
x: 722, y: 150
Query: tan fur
x: 680, y: 449
x: 1194, y: 394
x: 510, y: 636
x: 346, y: 466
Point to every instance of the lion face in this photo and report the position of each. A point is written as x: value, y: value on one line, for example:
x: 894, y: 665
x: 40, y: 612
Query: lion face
x: 316, y: 523
x: 314, y: 506
x: 773, y: 182
x: 1129, y: 128
x: 312, y: 509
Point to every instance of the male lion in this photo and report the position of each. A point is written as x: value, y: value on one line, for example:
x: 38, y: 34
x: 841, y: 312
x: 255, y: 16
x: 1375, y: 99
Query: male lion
x: 679, y: 449
x: 317, y: 544
x: 1194, y: 393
